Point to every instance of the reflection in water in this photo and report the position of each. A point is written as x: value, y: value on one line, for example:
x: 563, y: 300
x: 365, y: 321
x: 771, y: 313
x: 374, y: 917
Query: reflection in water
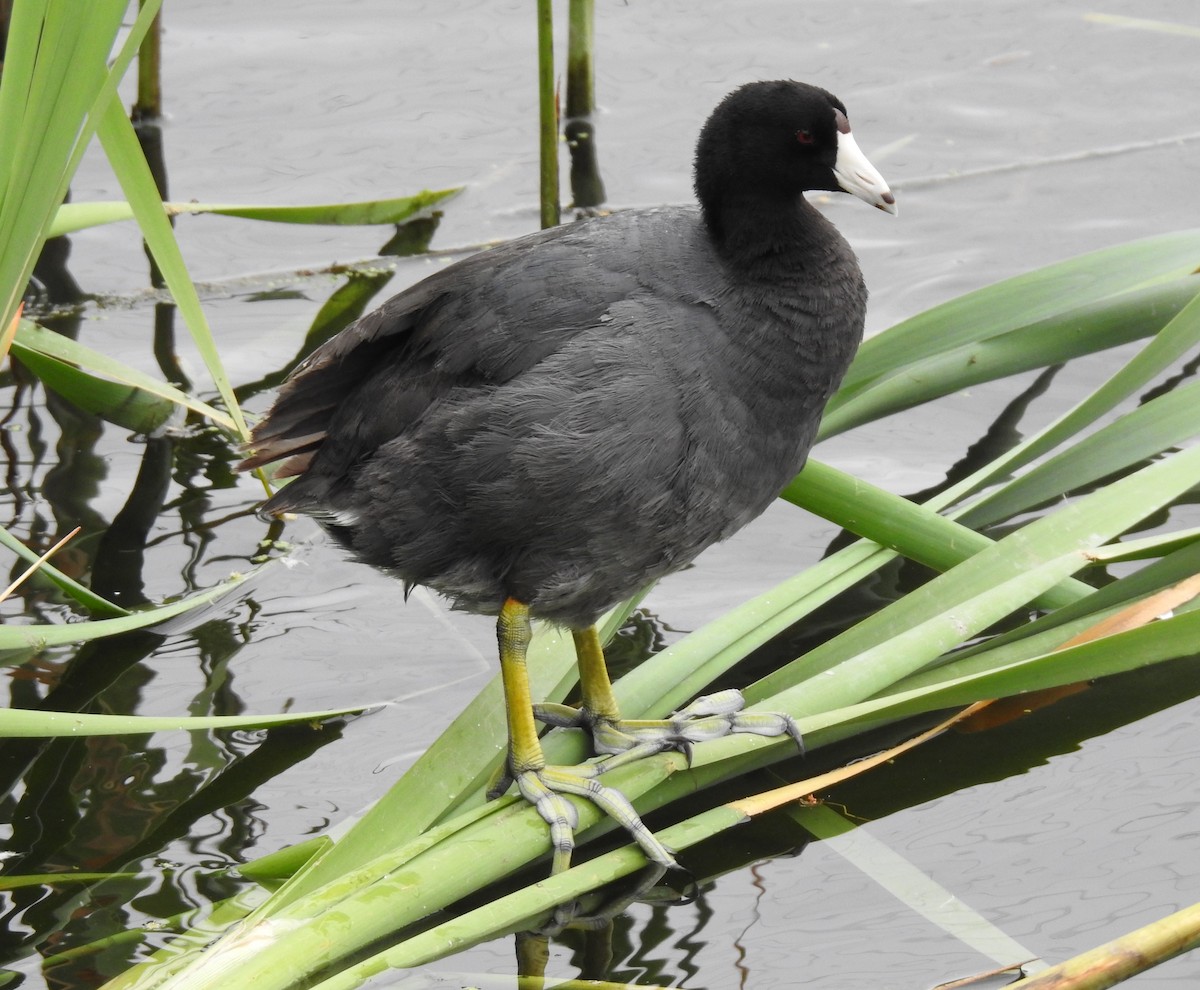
x: 1003, y: 434
x: 587, y: 188
x: 1186, y: 373
x: 119, y: 804
x: 116, y: 804
x: 120, y: 554
x: 53, y: 284
x: 148, y: 127
x: 578, y: 125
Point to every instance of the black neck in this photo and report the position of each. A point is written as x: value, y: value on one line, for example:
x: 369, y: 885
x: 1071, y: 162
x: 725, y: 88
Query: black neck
x: 752, y: 229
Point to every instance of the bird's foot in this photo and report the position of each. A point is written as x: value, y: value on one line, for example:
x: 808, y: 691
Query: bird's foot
x: 709, y: 717
x: 544, y: 787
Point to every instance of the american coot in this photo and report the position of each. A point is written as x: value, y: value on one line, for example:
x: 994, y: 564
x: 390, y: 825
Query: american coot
x: 542, y: 429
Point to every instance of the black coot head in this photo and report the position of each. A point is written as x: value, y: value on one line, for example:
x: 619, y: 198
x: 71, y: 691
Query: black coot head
x: 771, y: 141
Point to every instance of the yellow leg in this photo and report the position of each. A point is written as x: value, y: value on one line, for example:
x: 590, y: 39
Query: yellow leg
x: 544, y: 787
x: 513, y: 631
x: 627, y: 740
x: 624, y: 741
x: 594, y: 684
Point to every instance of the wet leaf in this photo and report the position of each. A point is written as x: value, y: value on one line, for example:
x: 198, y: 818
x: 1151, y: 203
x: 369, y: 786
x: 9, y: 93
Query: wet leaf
x: 1022, y: 301
x: 19, y: 882
x: 103, y: 385
x: 78, y: 216
x: 81, y: 594
x: 39, y: 636
x: 125, y: 405
x: 20, y: 723
x: 129, y: 164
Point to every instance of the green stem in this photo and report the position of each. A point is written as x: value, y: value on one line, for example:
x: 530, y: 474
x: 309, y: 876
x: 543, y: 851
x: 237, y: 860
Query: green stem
x: 149, y: 78
x: 581, y: 76
x: 547, y: 115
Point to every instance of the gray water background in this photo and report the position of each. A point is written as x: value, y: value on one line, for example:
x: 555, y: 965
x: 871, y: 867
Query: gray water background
x: 1016, y: 134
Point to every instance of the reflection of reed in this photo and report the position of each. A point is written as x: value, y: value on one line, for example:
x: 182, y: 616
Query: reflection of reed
x: 53, y: 286
x: 587, y: 188
x: 121, y: 553
x: 147, y: 117
x: 113, y: 803
x: 150, y: 137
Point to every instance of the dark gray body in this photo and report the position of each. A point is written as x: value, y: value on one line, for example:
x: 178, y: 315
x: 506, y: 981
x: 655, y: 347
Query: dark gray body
x: 574, y: 414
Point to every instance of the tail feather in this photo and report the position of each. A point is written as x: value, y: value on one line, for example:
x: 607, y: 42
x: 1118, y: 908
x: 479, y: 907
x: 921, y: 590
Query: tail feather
x: 288, y: 449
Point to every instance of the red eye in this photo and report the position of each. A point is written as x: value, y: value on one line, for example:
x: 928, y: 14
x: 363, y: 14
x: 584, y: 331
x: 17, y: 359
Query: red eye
x: 804, y: 137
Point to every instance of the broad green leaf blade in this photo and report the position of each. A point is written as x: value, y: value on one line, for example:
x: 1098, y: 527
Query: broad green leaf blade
x: 78, y: 216
x: 72, y: 217
x: 19, y: 882
x: 33, y: 340
x: 103, y: 95
x: 1169, y: 420
x: 1177, y: 338
x: 21, y: 723
x: 1021, y: 301
x: 387, y: 211
x: 1057, y: 627
x: 40, y: 636
x: 125, y: 154
x: 913, y: 641
x: 1089, y: 328
x: 1085, y: 524
x: 1049, y: 632
x: 24, y: 29
x: 1166, y: 639
x: 286, y: 862
x: 55, y: 63
x: 84, y: 596
x: 1150, y: 546
x: 1166, y: 422
x: 126, y: 406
